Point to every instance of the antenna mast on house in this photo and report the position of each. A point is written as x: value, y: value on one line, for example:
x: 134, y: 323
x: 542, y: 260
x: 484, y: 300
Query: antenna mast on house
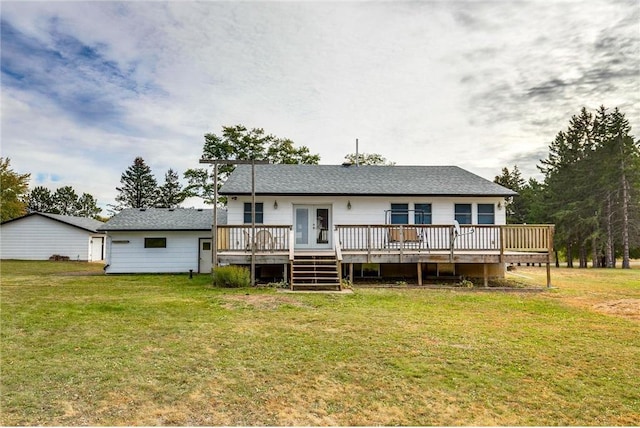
x: 357, y: 155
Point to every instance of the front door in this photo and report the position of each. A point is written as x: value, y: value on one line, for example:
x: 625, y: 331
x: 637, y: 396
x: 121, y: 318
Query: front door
x: 206, y: 262
x: 312, y: 226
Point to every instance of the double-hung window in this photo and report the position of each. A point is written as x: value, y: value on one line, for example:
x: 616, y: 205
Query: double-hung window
x: 399, y: 213
x: 463, y: 213
x: 486, y: 214
x: 259, y: 212
x: 422, y: 214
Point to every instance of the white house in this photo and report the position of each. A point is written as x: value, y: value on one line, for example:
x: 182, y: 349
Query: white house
x: 384, y: 221
x: 159, y: 240
x: 315, y: 224
x: 39, y: 236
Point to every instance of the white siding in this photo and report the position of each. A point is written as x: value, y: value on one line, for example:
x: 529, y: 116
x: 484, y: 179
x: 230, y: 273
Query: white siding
x: 364, y: 209
x: 38, y: 238
x: 180, y: 255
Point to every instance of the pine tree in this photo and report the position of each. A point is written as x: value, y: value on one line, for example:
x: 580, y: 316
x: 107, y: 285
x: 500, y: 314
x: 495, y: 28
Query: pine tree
x: 618, y: 157
x: 514, y: 206
x: 40, y: 199
x: 139, y: 188
x: 87, y: 206
x: 567, y: 182
x: 170, y: 194
x: 65, y: 201
x: 592, y: 187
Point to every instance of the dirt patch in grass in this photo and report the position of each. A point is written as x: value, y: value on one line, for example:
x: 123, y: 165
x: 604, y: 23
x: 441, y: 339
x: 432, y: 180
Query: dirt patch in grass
x: 260, y: 301
x: 628, y: 308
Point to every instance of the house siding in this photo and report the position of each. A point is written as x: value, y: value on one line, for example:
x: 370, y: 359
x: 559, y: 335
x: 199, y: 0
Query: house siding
x: 38, y: 238
x: 364, y: 209
x: 180, y: 254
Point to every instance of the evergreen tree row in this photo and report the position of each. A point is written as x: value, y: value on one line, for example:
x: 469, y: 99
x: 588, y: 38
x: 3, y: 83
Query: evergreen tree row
x: 63, y: 201
x: 591, y: 190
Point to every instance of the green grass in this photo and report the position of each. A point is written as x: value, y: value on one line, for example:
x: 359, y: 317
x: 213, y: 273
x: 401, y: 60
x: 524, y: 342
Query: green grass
x: 163, y: 349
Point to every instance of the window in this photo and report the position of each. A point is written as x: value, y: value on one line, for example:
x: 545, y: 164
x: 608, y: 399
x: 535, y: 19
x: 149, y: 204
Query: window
x: 206, y: 246
x: 155, y: 242
x: 422, y: 214
x: 259, y: 212
x: 463, y: 213
x: 399, y: 213
x: 486, y: 214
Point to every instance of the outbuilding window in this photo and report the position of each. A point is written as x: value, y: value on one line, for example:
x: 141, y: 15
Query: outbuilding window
x: 155, y: 242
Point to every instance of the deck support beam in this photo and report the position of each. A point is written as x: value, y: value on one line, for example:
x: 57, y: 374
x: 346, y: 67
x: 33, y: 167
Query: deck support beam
x: 285, y: 268
x: 485, y: 274
x: 419, y: 273
x: 548, y: 274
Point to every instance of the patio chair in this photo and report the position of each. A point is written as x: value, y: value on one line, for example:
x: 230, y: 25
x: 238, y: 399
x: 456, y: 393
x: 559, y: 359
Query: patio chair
x: 264, y: 241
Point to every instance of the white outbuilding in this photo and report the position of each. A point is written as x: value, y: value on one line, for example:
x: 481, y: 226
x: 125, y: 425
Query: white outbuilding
x: 41, y: 236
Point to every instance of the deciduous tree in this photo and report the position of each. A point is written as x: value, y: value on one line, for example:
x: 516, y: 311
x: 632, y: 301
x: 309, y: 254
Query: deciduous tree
x: 238, y: 142
x: 13, y: 190
x: 368, y: 159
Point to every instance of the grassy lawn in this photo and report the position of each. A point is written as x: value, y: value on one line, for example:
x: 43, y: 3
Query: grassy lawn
x: 81, y: 348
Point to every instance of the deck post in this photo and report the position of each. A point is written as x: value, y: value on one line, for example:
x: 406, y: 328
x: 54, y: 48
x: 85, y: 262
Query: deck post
x: 485, y: 273
x: 284, y: 272
x: 419, y: 273
x: 214, y: 227
x: 502, y: 238
x: 351, y: 272
x: 253, y: 223
x: 368, y: 246
x: 401, y: 242
x: 550, y: 231
x: 548, y: 274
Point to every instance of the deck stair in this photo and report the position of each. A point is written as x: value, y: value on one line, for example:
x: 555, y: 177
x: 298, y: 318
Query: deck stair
x: 315, y: 271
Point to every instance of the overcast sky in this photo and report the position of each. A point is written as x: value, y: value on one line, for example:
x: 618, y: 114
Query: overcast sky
x: 88, y: 86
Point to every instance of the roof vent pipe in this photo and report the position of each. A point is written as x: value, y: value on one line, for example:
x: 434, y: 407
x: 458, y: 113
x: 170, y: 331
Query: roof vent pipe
x: 357, y: 155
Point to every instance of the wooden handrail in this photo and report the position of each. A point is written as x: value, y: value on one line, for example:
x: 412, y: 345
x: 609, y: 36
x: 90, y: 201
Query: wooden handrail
x: 398, y: 238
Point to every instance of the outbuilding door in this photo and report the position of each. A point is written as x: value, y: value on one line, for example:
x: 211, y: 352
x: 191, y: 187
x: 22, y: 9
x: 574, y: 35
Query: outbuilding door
x: 205, y: 263
x: 97, y: 249
x: 312, y: 226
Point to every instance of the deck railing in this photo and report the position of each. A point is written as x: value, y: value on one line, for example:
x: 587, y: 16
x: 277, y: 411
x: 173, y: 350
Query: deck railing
x: 529, y: 238
x: 409, y: 237
x: 267, y: 238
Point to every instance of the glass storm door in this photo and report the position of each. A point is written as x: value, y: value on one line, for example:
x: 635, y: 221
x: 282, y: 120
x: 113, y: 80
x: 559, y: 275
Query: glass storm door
x: 312, y: 226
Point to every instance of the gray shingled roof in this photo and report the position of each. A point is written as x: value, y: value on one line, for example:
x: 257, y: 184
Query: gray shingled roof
x: 85, y: 223
x: 139, y: 219
x: 361, y: 180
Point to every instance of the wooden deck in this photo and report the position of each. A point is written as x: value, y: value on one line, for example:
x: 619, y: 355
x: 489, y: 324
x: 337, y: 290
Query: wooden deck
x: 394, y: 244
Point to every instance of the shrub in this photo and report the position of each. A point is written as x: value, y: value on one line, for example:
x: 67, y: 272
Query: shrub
x: 231, y: 277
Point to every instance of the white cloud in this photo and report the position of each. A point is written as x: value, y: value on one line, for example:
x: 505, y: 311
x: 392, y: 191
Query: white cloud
x: 477, y: 84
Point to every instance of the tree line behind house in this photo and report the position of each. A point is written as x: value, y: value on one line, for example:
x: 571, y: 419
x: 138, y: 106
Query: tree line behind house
x: 590, y: 190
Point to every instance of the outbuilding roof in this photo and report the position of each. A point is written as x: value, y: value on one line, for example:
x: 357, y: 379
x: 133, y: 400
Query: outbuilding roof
x: 142, y: 219
x: 84, y: 223
x: 368, y: 180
